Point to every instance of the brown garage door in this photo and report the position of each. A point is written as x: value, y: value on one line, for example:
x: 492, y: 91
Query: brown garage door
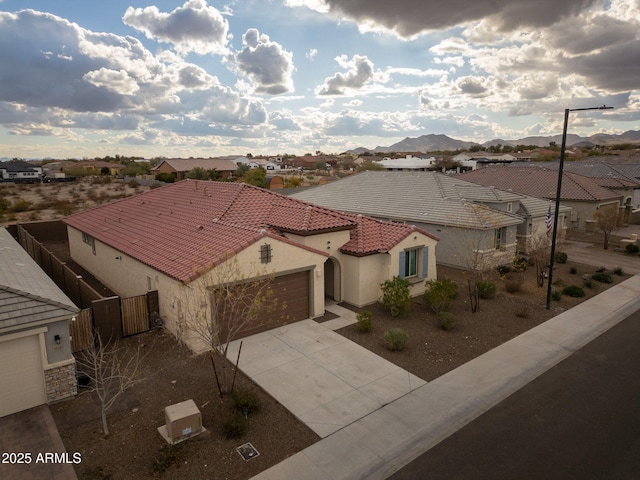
x: 292, y: 303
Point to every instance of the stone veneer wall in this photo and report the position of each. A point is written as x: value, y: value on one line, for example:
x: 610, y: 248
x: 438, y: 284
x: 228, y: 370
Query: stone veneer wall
x: 61, y: 382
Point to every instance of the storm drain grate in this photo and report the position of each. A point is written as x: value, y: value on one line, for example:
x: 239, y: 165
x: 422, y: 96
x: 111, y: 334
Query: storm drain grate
x: 247, y: 451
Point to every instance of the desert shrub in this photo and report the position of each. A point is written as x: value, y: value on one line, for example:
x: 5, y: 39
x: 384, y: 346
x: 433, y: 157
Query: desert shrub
x: 520, y: 265
x: 396, y: 295
x: 631, y: 249
x: 169, y: 455
x: 101, y: 180
x: 503, y: 270
x: 34, y: 216
x: 446, y: 320
x: 395, y: 339
x: 618, y: 271
x: 573, y: 270
x: 556, y: 295
x: 513, y: 283
x: 365, y: 321
x: 440, y: 294
x: 523, y: 312
x: 20, y: 205
x: 602, y: 277
x: 64, y: 207
x: 486, y: 289
x: 245, y: 401
x: 573, y: 291
x: 561, y: 257
x: 234, y: 426
x: 588, y: 283
x: 133, y: 183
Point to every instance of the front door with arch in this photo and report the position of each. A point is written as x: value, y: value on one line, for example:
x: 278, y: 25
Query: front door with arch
x: 332, y: 284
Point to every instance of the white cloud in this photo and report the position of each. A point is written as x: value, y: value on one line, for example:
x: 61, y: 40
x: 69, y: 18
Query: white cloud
x: 360, y: 71
x: 193, y: 27
x: 267, y: 64
x: 117, y: 81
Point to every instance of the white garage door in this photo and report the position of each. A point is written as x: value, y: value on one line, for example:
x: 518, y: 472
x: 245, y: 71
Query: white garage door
x: 21, y: 375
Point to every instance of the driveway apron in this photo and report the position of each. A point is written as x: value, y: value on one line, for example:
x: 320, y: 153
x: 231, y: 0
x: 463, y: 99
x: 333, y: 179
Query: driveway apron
x: 324, y: 379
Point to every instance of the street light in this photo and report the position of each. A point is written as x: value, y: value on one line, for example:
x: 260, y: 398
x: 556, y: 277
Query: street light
x: 557, y: 208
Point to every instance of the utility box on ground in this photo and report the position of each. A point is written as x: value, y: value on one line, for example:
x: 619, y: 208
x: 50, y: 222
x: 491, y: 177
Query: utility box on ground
x: 182, y: 420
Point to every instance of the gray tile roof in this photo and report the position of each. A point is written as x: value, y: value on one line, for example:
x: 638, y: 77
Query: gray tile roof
x: 420, y: 197
x: 27, y: 294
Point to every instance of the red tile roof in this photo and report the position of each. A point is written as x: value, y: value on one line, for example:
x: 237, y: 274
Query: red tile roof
x: 540, y: 182
x: 375, y: 236
x: 186, y: 228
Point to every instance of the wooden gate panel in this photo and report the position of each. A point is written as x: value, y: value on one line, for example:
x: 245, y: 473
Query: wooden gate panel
x: 106, y: 318
x: 81, y: 330
x: 135, y: 315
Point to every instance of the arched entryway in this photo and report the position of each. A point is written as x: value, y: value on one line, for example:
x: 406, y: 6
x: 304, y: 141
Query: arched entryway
x: 332, y: 286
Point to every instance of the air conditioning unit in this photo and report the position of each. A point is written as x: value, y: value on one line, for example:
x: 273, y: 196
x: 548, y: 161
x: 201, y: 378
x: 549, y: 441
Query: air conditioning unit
x: 182, y: 420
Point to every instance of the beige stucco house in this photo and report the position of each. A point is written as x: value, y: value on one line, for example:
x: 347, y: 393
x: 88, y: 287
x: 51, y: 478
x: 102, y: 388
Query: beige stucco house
x: 36, y: 364
x: 183, y: 238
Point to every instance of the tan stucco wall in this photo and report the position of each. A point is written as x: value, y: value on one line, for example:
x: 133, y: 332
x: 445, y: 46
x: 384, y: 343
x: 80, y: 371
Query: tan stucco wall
x: 128, y: 277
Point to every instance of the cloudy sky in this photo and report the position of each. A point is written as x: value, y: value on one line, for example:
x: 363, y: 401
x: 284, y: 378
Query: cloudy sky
x: 206, y: 78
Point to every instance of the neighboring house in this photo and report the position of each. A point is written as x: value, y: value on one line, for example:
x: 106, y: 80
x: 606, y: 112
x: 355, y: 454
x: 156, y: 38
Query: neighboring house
x: 91, y: 167
x: 621, y: 176
x: 409, y: 163
x: 20, y: 172
x: 476, y: 225
x: 472, y: 161
x: 177, y: 238
x: 181, y: 166
x: 581, y: 193
x: 36, y: 364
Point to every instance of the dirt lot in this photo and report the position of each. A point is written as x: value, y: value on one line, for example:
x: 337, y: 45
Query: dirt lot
x: 136, y: 450
x: 49, y: 201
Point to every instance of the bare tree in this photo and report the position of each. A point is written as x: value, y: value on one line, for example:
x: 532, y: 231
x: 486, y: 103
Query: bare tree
x: 478, y: 247
x: 113, y: 369
x: 233, y: 302
x: 608, y: 221
x: 539, y: 249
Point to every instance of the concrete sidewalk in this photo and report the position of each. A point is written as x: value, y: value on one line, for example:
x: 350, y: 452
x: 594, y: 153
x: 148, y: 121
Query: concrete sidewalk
x: 382, y: 442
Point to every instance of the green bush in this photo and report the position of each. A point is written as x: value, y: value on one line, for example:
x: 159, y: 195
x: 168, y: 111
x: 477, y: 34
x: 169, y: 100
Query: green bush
x: 618, y: 271
x: 561, y: 257
x: 446, y: 320
x: 440, y: 294
x: 602, y: 277
x: 631, y: 249
x: 395, y: 339
x: 520, y: 264
x: 245, y: 402
x: 166, y: 177
x: 486, y: 289
x: 396, y: 296
x: 573, y: 291
x: 588, y: 283
x: 234, y: 426
x: 365, y: 321
x: 503, y: 270
x: 573, y: 270
x: 556, y: 295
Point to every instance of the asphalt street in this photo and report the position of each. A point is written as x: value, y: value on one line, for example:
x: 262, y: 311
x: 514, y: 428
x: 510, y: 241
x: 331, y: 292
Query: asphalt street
x: 580, y: 420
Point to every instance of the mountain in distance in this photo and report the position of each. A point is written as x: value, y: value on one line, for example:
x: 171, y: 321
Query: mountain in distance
x: 426, y: 143
x: 434, y: 143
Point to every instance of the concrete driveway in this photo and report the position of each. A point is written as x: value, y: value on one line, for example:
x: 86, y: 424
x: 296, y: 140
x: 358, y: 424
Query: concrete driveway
x: 34, y: 431
x: 324, y: 379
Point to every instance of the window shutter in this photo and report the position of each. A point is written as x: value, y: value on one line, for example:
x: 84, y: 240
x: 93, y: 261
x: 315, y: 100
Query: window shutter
x: 425, y: 262
x: 403, y: 256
